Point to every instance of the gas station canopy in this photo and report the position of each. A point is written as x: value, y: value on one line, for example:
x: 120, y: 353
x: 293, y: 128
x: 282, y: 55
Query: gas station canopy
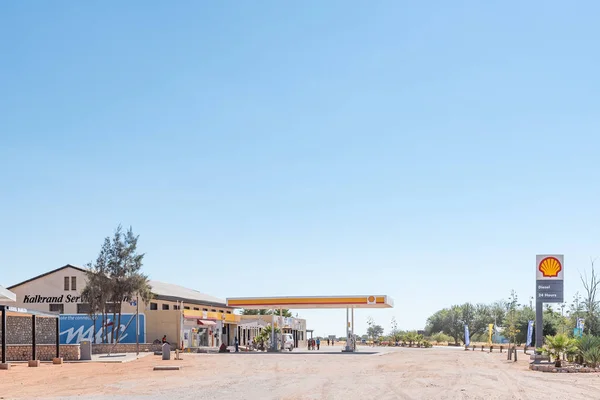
x: 306, y: 302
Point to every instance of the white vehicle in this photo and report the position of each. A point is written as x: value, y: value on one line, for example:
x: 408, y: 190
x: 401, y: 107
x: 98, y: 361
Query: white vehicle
x: 288, y: 341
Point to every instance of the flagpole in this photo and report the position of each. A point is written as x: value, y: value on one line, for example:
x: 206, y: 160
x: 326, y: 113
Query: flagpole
x: 137, y: 325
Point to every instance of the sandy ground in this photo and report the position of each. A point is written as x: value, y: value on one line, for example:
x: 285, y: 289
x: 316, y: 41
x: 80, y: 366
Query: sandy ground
x: 397, y: 373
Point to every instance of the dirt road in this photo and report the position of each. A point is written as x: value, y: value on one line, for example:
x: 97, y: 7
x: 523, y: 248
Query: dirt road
x: 395, y: 374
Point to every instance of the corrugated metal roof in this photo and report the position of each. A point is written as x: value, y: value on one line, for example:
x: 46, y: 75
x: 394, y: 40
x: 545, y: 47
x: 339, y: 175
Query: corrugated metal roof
x: 163, y: 289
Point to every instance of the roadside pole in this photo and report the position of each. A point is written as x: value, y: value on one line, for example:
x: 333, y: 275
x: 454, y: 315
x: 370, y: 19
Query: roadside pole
x: 273, y: 344
x: 352, y: 331
x: 137, y: 325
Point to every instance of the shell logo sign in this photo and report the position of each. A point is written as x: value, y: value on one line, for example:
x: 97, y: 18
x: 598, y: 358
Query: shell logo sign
x: 550, y: 267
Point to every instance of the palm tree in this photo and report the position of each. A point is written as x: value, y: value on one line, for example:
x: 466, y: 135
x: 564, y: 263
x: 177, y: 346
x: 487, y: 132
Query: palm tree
x: 559, y: 345
x: 264, y: 336
x: 411, y: 337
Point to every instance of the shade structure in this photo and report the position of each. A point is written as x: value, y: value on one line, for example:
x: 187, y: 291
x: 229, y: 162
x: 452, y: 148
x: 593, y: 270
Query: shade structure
x: 254, y: 324
x: 307, y: 302
x: 7, y: 296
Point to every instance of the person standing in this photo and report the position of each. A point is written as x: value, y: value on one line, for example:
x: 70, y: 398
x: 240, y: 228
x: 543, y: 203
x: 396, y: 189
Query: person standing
x: 318, y: 343
x: 237, y: 345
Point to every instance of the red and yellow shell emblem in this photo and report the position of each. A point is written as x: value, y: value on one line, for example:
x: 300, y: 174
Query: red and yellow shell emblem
x: 550, y: 267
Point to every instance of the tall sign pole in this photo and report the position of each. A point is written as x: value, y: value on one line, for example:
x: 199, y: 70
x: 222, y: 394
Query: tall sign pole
x: 549, y: 288
x: 137, y: 325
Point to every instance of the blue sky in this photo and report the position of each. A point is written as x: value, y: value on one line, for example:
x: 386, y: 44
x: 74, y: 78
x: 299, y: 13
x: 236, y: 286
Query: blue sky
x: 424, y: 150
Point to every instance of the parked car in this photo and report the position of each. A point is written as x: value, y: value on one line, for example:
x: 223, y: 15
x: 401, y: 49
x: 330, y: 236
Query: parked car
x: 288, y: 341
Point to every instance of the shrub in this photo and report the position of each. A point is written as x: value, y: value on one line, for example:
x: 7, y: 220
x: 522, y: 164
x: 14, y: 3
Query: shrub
x: 558, y: 345
x: 440, y: 337
x: 586, y: 343
x: 592, y: 357
x: 427, y: 344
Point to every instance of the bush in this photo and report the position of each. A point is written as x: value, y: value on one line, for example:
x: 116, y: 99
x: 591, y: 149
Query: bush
x: 559, y: 345
x: 441, y: 337
x: 585, y: 344
x: 427, y: 344
x: 592, y: 357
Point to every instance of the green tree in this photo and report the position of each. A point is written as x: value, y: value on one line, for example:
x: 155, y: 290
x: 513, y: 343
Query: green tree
x: 116, y: 278
x: 374, y: 331
x: 511, y: 317
x: 97, y: 290
x: 395, y: 333
x: 412, y: 337
x: 286, y: 313
x: 483, y: 318
x: 264, y: 337
x: 524, y: 315
x: 498, y: 312
x: 448, y: 321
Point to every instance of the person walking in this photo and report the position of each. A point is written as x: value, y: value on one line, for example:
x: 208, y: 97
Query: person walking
x: 237, y: 345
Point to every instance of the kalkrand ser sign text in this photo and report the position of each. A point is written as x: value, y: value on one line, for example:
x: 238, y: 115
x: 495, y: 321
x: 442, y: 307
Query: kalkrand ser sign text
x: 28, y: 298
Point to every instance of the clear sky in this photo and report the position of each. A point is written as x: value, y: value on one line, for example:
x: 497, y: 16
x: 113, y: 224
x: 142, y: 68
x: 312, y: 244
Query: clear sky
x: 423, y: 150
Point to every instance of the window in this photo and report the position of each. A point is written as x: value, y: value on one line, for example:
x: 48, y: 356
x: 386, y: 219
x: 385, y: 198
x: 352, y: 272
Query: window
x: 165, y: 306
x: 67, y: 280
x: 196, y: 308
x: 83, y: 308
x: 153, y: 306
x: 186, y: 307
x: 205, y: 309
x: 59, y: 308
x: 176, y: 307
x: 110, y: 308
x: 228, y: 312
x: 213, y: 310
x: 73, y: 283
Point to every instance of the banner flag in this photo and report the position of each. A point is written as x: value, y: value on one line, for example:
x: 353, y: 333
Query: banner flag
x: 529, y: 332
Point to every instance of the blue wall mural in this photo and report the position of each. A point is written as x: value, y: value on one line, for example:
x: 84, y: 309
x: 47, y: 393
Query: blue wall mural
x: 77, y: 327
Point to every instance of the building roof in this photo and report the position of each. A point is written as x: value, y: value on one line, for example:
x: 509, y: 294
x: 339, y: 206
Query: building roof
x: 161, y: 290
x: 47, y: 273
x: 7, y: 295
x: 171, y: 292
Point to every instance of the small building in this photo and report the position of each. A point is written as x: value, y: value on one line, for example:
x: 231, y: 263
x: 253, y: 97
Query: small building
x: 251, y: 325
x: 186, y: 316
